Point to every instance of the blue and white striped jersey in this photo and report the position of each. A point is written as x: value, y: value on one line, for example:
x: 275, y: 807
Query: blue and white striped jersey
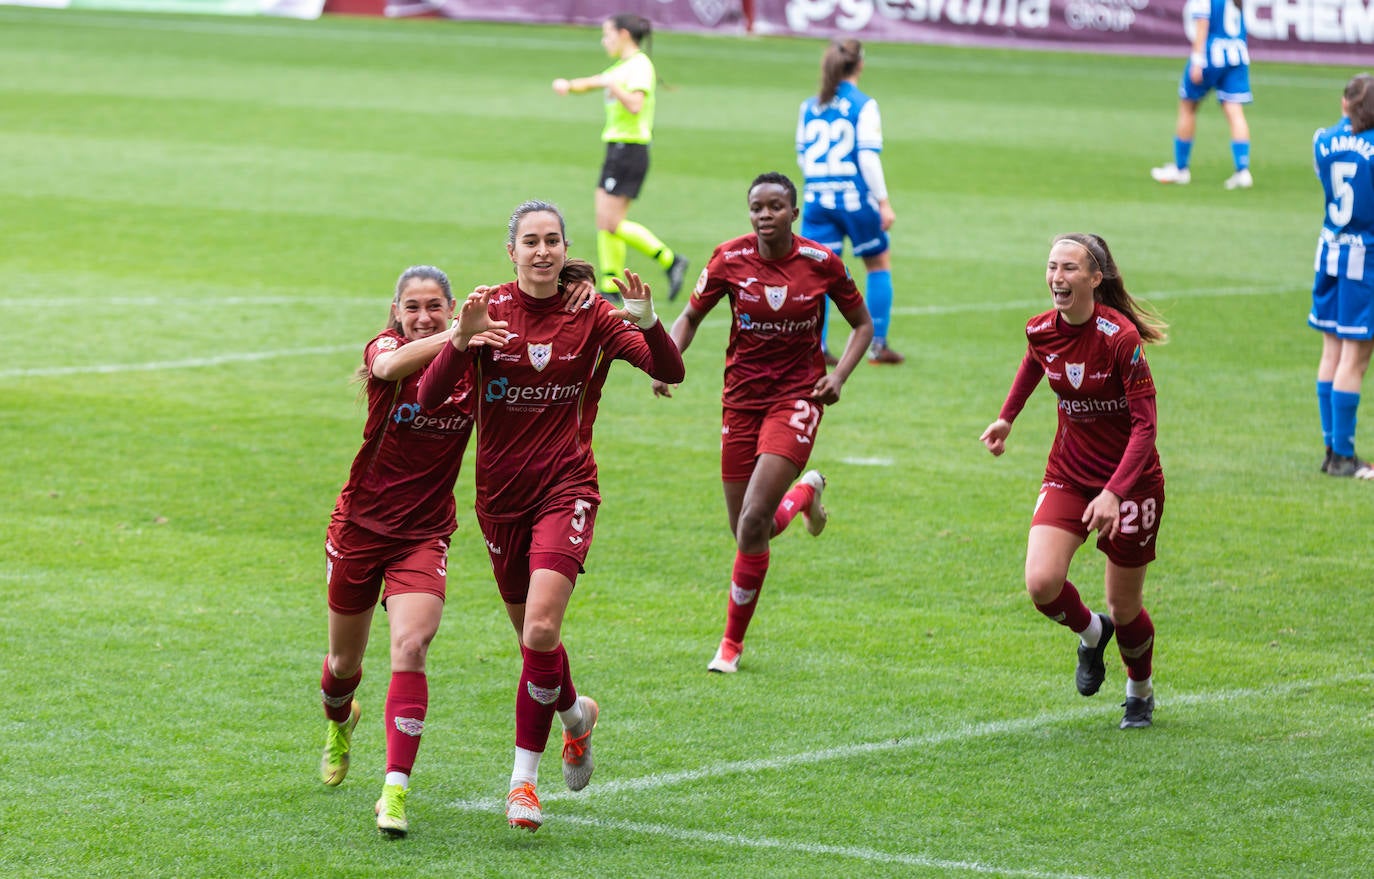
x: 1225, y: 31
x: 829, y: 140
x: 1345, y: 166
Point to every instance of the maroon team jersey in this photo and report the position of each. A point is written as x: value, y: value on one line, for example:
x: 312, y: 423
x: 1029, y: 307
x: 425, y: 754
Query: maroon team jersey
x: 1098, y: 371
x: 401, y: 482
x: 775, y: 339
x: 537, y: 396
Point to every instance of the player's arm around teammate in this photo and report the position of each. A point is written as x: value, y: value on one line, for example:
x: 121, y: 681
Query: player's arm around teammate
x: 537, y: 491
x: 1103, y: 473
x: 389, y: 536
x: 391, y: 528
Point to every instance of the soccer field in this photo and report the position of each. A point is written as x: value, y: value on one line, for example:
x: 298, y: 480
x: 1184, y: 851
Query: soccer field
x: 203, y: 219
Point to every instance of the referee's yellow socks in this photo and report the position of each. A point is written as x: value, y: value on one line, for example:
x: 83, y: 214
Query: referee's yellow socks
x: 610, y: 253
x: 646, y: 242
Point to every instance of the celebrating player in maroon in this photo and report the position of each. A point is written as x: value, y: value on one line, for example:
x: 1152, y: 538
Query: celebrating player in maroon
x: 537, y: 493
x: 1103, y: 471
x: 776, y: 386
x: 392, y: 523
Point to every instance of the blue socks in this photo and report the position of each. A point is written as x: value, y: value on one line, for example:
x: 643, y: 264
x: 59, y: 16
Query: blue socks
x: 1240, y: 152
x: 879, y: 300
x: 1343, y: 407
x: 1183, y: 150
x: 1324, y: 409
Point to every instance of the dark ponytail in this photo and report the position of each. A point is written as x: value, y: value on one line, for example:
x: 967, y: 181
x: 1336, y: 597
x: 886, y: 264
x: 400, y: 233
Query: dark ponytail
x: 841, y: 59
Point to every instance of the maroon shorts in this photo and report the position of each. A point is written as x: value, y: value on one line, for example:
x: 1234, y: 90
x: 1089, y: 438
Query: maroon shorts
x: 358, y: 562
x: 1134, y: 543
x: 557, y: 537
x: 787, y: 429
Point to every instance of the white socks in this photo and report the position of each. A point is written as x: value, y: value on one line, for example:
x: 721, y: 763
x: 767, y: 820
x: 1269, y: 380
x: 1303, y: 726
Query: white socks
x: 526, y: 769
x: 572, y: 718
x: 1093, y: 633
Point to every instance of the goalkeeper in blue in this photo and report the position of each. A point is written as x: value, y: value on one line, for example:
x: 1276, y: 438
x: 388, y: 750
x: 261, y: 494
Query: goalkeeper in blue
x: 1343, y: 289
x: 839, y: 138
x: 1220, y: 61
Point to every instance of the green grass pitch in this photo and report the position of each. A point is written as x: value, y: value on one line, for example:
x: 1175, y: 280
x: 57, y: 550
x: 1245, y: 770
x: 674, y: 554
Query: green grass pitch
x: 202, y: 219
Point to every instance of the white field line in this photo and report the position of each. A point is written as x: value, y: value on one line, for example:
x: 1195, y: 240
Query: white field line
x: 792, y: 847
x: 868, y: 462
x: 960, y: 733
x: 190, y: 363
x: 1029, y: 306
x: 217, y: 302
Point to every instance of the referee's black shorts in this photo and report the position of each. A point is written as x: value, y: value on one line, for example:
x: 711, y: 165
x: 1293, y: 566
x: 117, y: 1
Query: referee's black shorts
x: 626, y: 166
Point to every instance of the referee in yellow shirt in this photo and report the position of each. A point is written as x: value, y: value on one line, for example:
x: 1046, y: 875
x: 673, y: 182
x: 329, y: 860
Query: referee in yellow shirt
x: 629, y: 84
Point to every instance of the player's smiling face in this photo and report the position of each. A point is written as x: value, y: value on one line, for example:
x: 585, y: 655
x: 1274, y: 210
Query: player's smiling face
x: 421, y: 309
x: 1072, y: 278
x: 539, y: 252
x: 772, y: 213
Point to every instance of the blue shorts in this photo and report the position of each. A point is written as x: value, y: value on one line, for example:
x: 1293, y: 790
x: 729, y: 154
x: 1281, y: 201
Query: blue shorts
x: 1232, y: 84
x: 863, y: 226
x: 1341, y: 305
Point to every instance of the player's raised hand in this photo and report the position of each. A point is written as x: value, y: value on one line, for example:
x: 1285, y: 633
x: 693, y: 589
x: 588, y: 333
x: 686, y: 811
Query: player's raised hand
x: 639, y: 302
x: 474, y: 320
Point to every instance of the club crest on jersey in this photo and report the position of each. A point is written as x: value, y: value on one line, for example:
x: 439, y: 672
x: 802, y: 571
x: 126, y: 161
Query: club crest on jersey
x: 816, y: 253
x: 539, y: 355
x: 1107, y: 326
x: 1074, y: 373
x: 386, y: 343
x: 776, y: 295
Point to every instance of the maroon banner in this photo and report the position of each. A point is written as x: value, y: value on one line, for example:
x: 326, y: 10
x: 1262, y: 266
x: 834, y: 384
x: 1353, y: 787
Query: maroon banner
x: 1309, y: 31
x: 669, y: 15
x: 1312, y: 31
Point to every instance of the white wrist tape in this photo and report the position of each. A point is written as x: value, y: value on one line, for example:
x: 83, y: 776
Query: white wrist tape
x: 641, y: 311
